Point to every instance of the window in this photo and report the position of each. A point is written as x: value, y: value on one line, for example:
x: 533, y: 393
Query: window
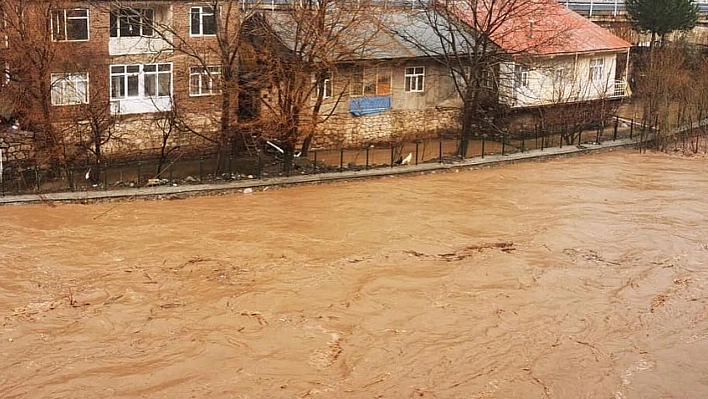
x: 521, y: 76
x: 3, y: 26
x: 370, y: 81
x: 69, y: 88
x: 324, y: 87
x: 204, y: 81
x: 157, y: 80
x: 560, y: 75
x: 141, y: 81
x: 487, y: 79
x: 596, y: 66
x: 70, y: 25
x: 202, y: 21
x: 131, y: 22
x: 415, y: 79
x: 124, y: 81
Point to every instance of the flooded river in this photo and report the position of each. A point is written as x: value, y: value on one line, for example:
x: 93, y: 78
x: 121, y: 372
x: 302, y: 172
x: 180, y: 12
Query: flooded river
x: 573, y: 278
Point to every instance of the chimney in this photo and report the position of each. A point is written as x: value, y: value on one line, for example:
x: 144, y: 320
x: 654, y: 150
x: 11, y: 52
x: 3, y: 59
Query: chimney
x: 531, y: 22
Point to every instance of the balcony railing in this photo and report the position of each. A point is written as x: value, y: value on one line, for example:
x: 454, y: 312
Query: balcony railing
x: 620, y: 88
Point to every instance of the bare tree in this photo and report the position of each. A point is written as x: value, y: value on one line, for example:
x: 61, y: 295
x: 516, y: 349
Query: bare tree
x: 30, y: 57
x: 211, y: 39
x: 95, y: 124
x: 573, y: 102
x: 473, y: 40
x: 664, y: 80
x: 302, y: 51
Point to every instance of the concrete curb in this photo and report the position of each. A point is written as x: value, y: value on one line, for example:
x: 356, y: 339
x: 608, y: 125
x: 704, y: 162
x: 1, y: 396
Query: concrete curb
x: 172, y: 192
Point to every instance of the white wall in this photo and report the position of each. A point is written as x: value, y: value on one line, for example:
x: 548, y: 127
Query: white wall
x: 545, y: 86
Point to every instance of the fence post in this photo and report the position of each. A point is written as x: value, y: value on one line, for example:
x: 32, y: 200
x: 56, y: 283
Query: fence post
x: 631, y: 128
x: 201, y: 169
x: 503, y: 143
x: 440, y: 150
x: 139, y: 172
x: 535, y: 135
x: 341, y: 159
x: 105, y: 177
x: 483, y: 140
x: 366, y: 165
x: 560, y: 136
x: 2, y: 183
x: 36, y: 177
x: 523, y: 143
x: 314, y: 163
x: 230, y: 159
x: 614, y: 133
x: 259, y: 170
x: 417, y: 144
x: 169, y: 169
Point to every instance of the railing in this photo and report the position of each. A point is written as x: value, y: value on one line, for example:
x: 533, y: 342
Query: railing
x: 620, y: 88
x: 595, y: 8
x: 588, y: 8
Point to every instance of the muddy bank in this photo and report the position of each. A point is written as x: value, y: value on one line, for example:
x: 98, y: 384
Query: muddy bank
x: 578, y: 277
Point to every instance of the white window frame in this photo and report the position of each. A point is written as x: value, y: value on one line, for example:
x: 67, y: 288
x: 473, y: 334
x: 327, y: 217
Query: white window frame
x: 63, y: 14
x: 157, y: 73
x: 208, y: 78
x: 597, y: 65
x: 414, y: 79
x: 325, y: 87
x: 521, y: 76
x: 203, y: 13
x: 141, y: 24
x: 6, y: 73
x: 6, y: 38
x: 136, y: 75
x: 487, y: 78
x: 70, y: 88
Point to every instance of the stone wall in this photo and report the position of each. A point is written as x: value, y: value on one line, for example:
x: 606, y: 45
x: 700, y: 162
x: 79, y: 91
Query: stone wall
x: 347, y: 131
x: 141, y: 136
x: 18, y: 146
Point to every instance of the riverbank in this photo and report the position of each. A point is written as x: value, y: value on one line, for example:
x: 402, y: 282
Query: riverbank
x: 249, y: 185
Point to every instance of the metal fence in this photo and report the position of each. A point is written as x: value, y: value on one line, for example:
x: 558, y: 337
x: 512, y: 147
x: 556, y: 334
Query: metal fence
x: 213, y: 169
x: 593, y: 8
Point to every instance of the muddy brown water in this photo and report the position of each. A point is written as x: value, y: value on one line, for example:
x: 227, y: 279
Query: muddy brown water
x: 574, y: 278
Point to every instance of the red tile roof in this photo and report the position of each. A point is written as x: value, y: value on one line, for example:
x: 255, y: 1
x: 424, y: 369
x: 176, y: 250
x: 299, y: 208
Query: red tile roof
x: 535, y: 27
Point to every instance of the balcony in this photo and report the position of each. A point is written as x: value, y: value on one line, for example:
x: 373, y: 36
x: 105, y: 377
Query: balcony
x: 128, y: 106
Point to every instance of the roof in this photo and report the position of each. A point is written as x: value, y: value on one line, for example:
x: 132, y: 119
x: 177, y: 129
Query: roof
x: 389, y: 35
x: 536, y: 27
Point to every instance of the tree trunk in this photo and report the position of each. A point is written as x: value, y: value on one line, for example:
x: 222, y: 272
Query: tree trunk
x: 306, y: 143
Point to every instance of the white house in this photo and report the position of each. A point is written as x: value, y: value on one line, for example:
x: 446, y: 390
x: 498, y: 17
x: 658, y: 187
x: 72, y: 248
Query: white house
x: 555, y: 57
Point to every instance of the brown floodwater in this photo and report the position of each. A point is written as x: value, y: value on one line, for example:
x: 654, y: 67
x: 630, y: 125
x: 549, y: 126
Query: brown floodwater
x: 584, y: 277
